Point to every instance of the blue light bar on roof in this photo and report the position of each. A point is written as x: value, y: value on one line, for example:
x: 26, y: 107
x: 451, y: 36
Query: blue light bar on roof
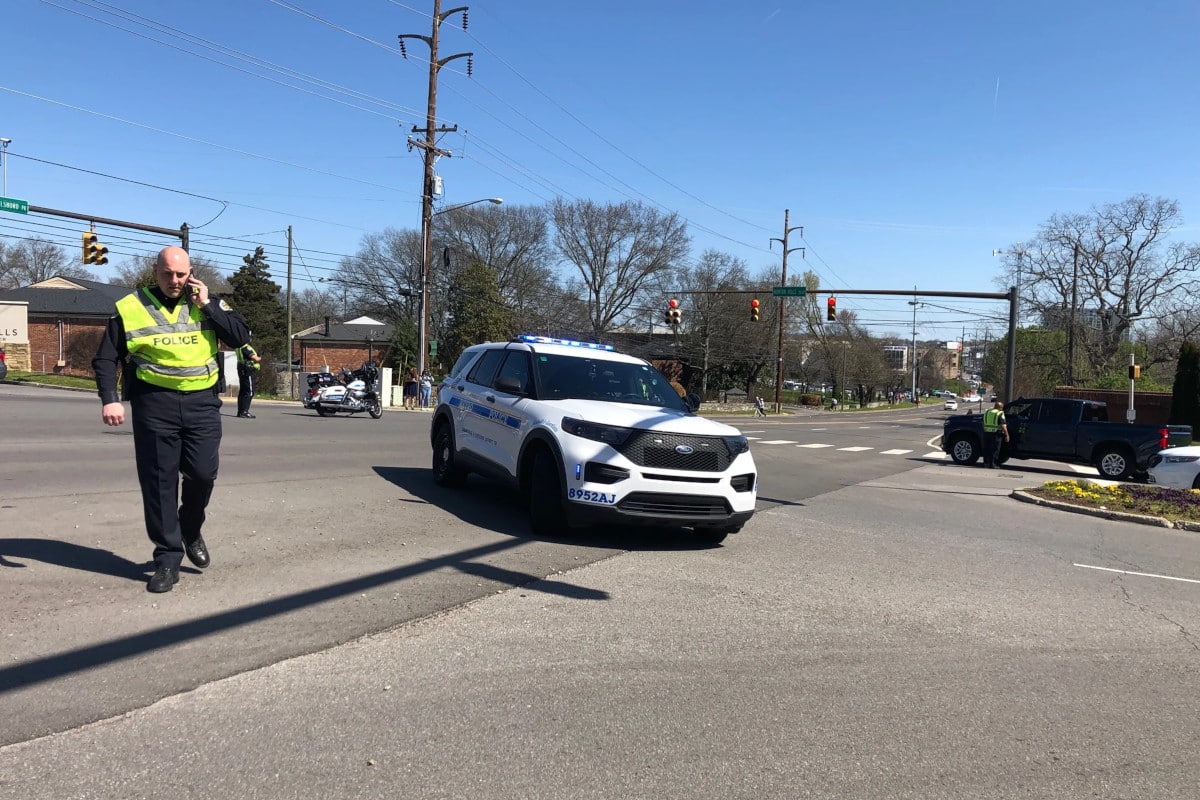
x: 529, y: 337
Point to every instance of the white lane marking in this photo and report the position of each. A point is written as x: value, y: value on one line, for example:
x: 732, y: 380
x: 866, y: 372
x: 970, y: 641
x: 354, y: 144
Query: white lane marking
x: 855, y: 449
x: 814, y: 445
x: 752, y: 438
x: 864, y: 427
x: 1140, y: 574
x: 935, y: 454
x: 778, y: 441
x: 894, y: 452
x: 818, y: 429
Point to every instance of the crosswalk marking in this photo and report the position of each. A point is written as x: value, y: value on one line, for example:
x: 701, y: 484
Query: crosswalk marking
x: 855, y: 449
x: 814, y: 445
x: 894, y: 452
x: 935, y: 454
x: 778, y: 441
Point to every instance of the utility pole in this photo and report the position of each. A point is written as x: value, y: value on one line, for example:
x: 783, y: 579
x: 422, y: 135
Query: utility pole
x: 290, y: 374
x: 431, y: 152
x: 914, y: 304
x: 1071, y: 322
x: 782, y: 308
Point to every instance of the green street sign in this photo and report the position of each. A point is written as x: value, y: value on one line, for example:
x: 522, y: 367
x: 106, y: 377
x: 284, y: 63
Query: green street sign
x: 788, y: 291
x: 14, y: 205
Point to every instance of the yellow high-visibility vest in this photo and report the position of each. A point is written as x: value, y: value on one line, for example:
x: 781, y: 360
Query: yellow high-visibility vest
x: 172, y: 349
x: 992, y: 419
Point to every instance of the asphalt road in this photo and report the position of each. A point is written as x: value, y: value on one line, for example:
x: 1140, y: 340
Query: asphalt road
x: 886, y: 626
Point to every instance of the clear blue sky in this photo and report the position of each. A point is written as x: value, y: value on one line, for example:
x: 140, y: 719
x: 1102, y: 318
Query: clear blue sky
x: 909, y: 140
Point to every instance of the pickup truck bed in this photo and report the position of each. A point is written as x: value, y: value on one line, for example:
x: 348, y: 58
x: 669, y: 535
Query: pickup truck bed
x: 1072, y: 431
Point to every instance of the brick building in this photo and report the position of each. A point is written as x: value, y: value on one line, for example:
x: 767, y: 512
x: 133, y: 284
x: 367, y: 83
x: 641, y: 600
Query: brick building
x: 66, y: 318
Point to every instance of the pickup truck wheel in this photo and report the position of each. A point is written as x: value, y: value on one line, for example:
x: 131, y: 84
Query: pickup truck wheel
x: 964, y: 450
x: 1114, y: 463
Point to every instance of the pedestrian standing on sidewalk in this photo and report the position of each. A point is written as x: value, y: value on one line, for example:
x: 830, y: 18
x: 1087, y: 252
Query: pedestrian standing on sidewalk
x: 163, y: 343
x: 426, y: 388
x: 411, y: 383
x: 995, y: 431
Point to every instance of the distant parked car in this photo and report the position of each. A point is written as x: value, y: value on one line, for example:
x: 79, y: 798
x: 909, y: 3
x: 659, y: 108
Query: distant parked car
x: 951, y: 404
x: 1178, y: 467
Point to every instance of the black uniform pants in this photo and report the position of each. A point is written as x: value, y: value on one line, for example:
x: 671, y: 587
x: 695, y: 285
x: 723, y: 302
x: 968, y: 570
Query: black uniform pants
x: 175, y: 434
x: 245, y: 389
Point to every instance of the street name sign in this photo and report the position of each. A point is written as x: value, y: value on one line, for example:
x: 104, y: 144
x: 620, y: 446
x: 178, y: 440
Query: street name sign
x: 14, y: 205
x: 788, y: 291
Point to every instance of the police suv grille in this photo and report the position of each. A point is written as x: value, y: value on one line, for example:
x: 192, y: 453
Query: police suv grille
x: 675, y: 505
x: 662, y: 451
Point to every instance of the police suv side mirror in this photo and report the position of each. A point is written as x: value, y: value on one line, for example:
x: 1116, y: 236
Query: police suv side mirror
x: 509, y: 385
x: 692, y: 401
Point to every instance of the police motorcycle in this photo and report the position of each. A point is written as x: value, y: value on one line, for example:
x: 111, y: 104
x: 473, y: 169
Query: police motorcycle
x: 347, y: 393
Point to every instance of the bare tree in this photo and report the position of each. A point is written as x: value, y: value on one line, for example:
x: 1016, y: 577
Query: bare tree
x: 139, y: 271
x: 1117, y: 263
x: 514, y: 241
x: 384, y: 277
x: 718, y: 330
x: 618, y: 250
x: 35, y: 260
x: 311, y: 307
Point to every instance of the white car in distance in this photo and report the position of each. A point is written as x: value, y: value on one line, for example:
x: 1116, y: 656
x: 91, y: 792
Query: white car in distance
x: 1178, y: 468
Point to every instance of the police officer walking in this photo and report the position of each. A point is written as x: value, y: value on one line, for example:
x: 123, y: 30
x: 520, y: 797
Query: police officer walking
x: 995, y: 428
x: 164, y: 341
x: 247, y: 368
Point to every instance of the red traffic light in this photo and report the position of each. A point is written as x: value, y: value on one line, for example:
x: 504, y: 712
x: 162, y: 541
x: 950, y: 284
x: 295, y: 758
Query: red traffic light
x: 831, y: 312
x: 673, y: 303
x: 754, y: 304
x: 754, y: 310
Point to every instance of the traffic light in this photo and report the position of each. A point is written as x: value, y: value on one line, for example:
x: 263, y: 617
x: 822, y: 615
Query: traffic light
x: 1135, y: 371
x: 831, y: 310
x: 93, y: 251
x: 674, y: 315
x: 754, y: 310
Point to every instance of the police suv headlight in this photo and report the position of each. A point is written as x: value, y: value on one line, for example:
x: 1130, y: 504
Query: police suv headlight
x: 609, y: 434
x: 737, y: 445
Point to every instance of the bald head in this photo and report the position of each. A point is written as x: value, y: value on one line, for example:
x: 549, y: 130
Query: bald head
x: 172, y: 270
x: 998, y: 405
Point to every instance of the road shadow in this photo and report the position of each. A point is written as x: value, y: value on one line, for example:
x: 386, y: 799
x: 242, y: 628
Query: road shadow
x: 49, y: 668
x: 72, y: 556
x: 500, y: 509
x: 1018, y: 466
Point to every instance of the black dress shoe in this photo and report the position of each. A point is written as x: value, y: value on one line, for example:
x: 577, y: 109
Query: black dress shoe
x: 247, y: 415
x: 163, y: 579
x: 197, y: 552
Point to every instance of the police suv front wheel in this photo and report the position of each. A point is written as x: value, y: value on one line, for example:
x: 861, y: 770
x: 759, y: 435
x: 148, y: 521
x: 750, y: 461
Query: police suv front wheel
x: 547, y: 514
x: 446, y: 471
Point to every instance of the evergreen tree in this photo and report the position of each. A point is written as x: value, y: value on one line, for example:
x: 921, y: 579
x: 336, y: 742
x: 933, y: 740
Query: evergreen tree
x: 256, y: 297
x: 478, y: 312
x: 1185, y: 397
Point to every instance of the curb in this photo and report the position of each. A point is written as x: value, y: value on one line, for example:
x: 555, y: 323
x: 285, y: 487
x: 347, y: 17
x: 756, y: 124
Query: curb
x: 1120, y: 516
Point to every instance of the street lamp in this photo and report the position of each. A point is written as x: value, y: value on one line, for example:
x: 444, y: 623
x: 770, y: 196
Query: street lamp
x: 915, y: 305
x: 4, y: 143
x: 1019, y: 253
x: 426, y: 246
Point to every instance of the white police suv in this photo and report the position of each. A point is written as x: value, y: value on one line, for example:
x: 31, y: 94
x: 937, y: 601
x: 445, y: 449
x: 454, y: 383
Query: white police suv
x: 590, y: 436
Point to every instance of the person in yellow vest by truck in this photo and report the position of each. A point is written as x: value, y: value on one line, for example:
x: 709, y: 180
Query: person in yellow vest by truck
x: 163, y: 342
x: 995, y: 430
x: 247, y: 368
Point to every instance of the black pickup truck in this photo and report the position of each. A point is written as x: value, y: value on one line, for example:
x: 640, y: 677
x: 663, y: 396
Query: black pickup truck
x: 1075, y: 431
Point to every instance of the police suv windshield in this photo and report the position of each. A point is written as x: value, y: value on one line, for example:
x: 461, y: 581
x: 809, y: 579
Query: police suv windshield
x: 563, y: 377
